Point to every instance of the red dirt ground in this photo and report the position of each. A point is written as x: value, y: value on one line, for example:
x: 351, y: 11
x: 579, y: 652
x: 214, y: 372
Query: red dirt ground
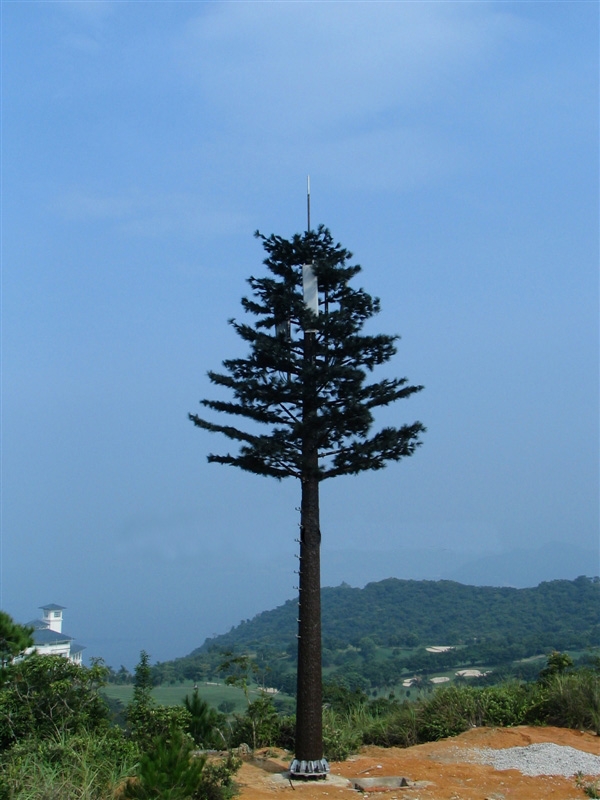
x: 436, y: 771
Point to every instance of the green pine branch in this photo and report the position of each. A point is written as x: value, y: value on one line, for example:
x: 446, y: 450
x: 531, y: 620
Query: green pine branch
x: 271, y: 385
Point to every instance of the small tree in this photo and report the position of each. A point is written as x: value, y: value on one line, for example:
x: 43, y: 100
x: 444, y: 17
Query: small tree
x: 146, y: 718
x: 305, y: 380
x: 204, y: 720
x: 557, y: 663
x: 14, y: 638
x: 50, y: 696
x: 142, y: 680
x: 168, y: 771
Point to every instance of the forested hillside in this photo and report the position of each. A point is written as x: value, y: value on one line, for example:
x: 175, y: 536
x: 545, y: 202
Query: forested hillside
x: 392, y: 612
x: 374, y: 636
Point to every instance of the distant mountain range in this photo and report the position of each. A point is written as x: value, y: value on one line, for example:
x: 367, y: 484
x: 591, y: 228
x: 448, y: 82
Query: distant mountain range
x: 520, y: 568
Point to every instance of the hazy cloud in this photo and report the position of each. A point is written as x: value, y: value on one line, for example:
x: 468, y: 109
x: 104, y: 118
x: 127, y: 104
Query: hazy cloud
x: 150, y: 215
x: 304, y: 67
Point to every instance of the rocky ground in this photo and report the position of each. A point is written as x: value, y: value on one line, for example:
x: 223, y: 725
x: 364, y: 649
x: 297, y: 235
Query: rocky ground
x: 435, y: 771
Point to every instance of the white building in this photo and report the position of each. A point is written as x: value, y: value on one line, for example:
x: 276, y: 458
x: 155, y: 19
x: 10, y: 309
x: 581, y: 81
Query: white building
x: 48, y: 638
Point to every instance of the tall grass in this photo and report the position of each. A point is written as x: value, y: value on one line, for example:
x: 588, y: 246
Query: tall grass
x: 341, y: 735
x: 398, y: 728
x: 81, y: 767
x: 571, y: 700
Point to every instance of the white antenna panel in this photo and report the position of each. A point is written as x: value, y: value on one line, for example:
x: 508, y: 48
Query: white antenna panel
x: 310, y: 289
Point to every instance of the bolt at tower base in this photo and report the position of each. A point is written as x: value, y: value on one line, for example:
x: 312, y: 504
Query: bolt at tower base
x: 309, y: 770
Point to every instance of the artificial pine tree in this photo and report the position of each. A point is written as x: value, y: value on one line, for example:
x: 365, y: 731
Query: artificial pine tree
x: 305, y: 381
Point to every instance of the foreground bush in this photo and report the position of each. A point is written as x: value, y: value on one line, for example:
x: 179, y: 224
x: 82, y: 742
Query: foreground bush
x: 560, y: 697
x: 454, y: 709
x: 205, y: 723
x: 49, y: 696
x: 56, y: 741
x: 259, y: 726
x: 570, y: 700
x: 71, y: 767
x: 396, y: 727
x: 341, y: 734
x: 170, y: 770
x: 147, y: 720
x: 450, y: 711
x: 167, y: 771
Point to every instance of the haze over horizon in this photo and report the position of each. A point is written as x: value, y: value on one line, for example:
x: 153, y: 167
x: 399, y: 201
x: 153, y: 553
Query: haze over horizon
x: 452, y: 147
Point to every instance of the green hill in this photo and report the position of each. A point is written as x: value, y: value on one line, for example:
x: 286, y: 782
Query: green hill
x: 382, y: 630
x: 396, y: 612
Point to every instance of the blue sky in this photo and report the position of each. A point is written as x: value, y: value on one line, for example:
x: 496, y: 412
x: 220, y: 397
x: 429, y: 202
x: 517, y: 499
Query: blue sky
x: 452, y: 147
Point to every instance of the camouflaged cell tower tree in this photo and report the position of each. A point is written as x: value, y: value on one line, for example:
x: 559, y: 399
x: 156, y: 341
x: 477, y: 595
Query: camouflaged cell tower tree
x: 305, y: 381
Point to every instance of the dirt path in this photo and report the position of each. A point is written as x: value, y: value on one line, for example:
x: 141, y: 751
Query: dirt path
x: 435, y: 771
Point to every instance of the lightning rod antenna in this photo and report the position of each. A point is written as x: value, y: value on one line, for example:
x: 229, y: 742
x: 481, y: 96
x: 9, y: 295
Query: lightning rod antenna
x: 308, y: 202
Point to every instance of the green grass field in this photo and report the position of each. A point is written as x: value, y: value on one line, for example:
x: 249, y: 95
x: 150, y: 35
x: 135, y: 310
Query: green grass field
x: 217, y: 693
x: 174, y: 695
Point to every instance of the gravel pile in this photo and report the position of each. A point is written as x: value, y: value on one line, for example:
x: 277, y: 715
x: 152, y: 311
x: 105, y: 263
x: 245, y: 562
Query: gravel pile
x: 540, y: 759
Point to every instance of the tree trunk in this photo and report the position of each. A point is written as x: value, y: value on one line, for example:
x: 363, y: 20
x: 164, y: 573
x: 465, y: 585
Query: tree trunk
x: 309, y: 761
x: 309, y: 735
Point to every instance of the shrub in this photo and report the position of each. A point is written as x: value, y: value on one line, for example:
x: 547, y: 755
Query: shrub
x: 448, y: 712
x: 561, y: 697
x: 504, y: 705
x: 217, y: 779
x: 286, y: 735
x: 397, y: 728
x: 340, y: 737
x: 557, y: 663
x: 590, y: 789
x: 148, y: 723
x: 259, y: 726
x: 49, y: 696
x: 204, y: 721
x: 80, y: 767
x: 341, y: 698
x: 570, y: 700
x: 169, y: 771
